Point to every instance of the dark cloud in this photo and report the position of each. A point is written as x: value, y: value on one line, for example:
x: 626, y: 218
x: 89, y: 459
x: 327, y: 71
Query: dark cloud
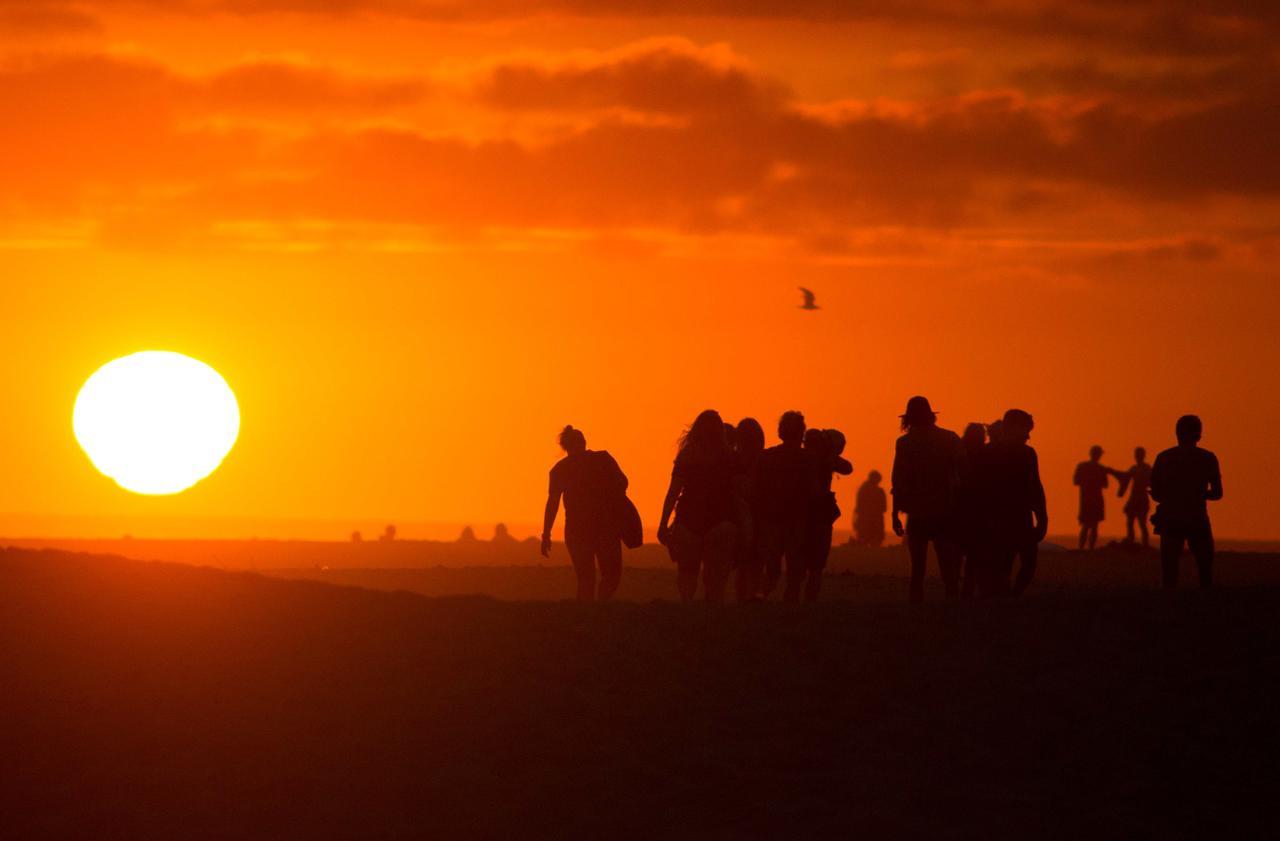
x: 666, y: 76
x: 1159, y: 26
x: 106, y: 135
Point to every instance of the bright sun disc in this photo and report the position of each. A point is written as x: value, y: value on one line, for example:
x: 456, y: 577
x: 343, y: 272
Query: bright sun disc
x: 156, y: 422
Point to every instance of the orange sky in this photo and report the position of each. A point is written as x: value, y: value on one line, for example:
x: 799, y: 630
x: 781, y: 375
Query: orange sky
x: 419, y: 237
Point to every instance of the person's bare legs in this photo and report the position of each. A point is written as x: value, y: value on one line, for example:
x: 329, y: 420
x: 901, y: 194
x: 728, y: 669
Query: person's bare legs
x: 1027, y: 557
x: 717, y: 557
x: 1146, y: 535
x: 583, y: 556
x: 1130, y: 521
x: 1093, y: 537
x: 686, y: 551
x: 1084, y: 537
x: 609, y: 556
x: 1202, y: 548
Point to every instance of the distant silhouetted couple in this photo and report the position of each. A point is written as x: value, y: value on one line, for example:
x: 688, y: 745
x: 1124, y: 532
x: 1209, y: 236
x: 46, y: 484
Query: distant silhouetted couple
x: 740, y: 508
x: 1092, y: 477
x: 980, y: 504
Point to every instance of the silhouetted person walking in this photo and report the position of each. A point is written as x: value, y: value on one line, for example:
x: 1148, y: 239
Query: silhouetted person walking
x: 869, y: 511
x: 925, y: 478
x: 1014, y: 513
x: 748, y: 447
x: 1137, y: 481
x: 787, y: 484
x: 804, y: 573
x: 1184, y: 480
x: 970, y: 525
x: 593, y: 488
x: 701, y: 494
x: 1091, y: 478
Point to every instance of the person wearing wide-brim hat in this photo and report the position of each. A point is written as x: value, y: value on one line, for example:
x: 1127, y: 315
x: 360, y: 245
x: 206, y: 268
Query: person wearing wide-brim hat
x: 926, y: 467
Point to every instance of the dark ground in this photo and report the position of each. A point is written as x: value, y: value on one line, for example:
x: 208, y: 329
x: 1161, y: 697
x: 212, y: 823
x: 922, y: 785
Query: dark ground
x: 156, y: 701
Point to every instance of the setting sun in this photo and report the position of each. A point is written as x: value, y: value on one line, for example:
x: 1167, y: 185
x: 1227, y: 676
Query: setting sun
x: 156, y: 422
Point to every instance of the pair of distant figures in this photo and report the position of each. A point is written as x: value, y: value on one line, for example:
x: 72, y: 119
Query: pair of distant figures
x: 1183, y: 480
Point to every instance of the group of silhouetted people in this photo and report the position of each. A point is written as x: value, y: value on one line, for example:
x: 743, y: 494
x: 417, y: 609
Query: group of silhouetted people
x: 977, y: 499
x: 738, y: 510
x: 750, y: 512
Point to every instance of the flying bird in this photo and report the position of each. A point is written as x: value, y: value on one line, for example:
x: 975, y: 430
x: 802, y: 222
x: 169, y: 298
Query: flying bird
x: 810, y: 300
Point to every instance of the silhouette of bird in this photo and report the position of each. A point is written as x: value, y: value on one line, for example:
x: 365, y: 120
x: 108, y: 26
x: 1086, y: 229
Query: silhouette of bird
x: 810, y: 300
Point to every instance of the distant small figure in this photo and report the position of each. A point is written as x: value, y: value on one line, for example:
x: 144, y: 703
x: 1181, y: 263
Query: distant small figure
x: 702, y: 496
x: 810, y: 300
x: 357, y: 537
x: 593, y: 488
x: 1137, y: 481
x: 1015, y: 514
x: 869, y: 511
x: 1184, y: 480
x: 501, y: 534
x: 387, y: 536
x: 786, y: 486
x: 468, y: 535
x: 825, y: 448
x: 748, y: 446
x: 926, y: 468
x: 1091, y: 478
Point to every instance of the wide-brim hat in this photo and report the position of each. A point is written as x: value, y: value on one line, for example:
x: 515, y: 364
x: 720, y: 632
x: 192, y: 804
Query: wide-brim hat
x: 918, y: 409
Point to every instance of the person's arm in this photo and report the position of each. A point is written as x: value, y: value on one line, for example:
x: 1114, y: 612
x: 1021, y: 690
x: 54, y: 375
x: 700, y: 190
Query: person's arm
x: 1215, y: 481
x: 668, y: 506
x: 842, y: 466
x: 897, y: 474
x: 1039, y: 504
x: 1076, y: 479
x: 1125, y: 478
x: 549, y: 515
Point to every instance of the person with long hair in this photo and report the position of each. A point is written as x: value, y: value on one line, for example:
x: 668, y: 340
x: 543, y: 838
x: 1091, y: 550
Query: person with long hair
x: 747, y: 449
x: 925, y: 482
x: 701, y: 495
x: 592, y: 486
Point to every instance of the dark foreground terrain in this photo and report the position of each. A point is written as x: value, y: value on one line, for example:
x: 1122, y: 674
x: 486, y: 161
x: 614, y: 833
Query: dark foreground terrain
x: 156, y: 701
